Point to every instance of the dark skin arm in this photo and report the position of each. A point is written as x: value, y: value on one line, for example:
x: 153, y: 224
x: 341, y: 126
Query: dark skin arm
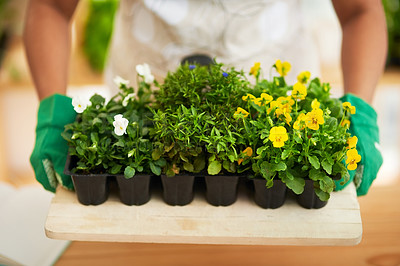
x: 364, y: 45
x: 47, y: 42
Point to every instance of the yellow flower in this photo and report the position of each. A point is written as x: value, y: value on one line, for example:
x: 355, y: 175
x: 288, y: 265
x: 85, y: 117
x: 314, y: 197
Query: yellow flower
x: 264, y: 99
x: 273, y: 105
x: 278, y: 136
x: 282, y: 68
x: 248, y: 152
x: 347, y: 106
x: 248, y: 95
x: 326, y: 87
x: 352, y: 142
x: 254, y: 69
x: 288, y: 118
x: 352, y: 159
x: 304, y: 76
x: 286, y: 104
x: 240, y: 111
x: 300, y: 122
x: 299, y: 91
x: 345, y: 122
x: 315, y: 104
x: 314, y: 119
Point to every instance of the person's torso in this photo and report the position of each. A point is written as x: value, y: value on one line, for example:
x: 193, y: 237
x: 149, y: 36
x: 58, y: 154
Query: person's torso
x: 237, y: 33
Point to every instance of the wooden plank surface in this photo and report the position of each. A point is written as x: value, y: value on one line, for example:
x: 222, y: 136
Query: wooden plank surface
x: 243, y: 223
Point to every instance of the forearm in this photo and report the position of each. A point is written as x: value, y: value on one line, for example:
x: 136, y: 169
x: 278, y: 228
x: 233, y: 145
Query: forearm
x: 47, y: 44
x: 364, y: 48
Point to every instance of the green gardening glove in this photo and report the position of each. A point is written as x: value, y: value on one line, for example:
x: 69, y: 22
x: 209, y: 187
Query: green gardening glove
x: 50, y: 152
x: 363, y: 124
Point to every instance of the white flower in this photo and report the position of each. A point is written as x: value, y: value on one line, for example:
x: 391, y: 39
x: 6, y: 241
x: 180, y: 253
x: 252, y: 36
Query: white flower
x: 119, y: 81
x: 144, y: 71
x: 120, y: 125
x: 127, y: 98
x: 79, y: 104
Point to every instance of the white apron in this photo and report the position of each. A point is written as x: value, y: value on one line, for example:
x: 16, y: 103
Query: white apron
x: 235, y: 32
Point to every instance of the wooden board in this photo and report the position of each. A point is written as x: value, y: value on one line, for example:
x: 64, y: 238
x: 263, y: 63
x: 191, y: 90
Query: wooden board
x: 243, y: 223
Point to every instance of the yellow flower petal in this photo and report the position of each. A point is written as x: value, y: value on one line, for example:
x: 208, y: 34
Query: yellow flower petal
x: 347, y: 106
x: 247, y: 96
x: 254, y: 69
x: 314, y: 119
x: 352, y: 142
x: 315, y: 104
x: 282, y: 68
x: 278, y: 136
x: 241, y: 111
x: 299, y: 91
x: 352, y: 159
x: 304, y: 76
x: 345, y: 122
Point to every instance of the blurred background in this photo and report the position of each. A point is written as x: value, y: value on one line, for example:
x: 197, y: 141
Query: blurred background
x: 92, y: 30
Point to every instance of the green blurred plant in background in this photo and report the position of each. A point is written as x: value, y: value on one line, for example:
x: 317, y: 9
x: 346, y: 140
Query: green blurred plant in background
x: 98, y: 31
x: 392, y: 10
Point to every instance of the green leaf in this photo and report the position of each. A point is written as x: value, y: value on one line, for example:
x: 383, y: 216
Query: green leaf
x: 129, y: 172
x: 326, y: 184
x: 94, y: 137
x: 156, y: 154
x: 327, y: 166
x: 281, y: 166
x: 285, y: 154
x: 156, y: 169
x: 322, y: 195
x: 96, y: 120
x: 314, y: 161
x: 80, y: 151
x: 296, y: 184
x: 115, y: 169
x: 214, y: 168
x: 188, y: 167
x: 199, y: 164
x: 269, y: 183
x: 316, y: 174
x: 160, y: 162
x: 266, y: 167
x: 131, y: 153
x: 297, y: 138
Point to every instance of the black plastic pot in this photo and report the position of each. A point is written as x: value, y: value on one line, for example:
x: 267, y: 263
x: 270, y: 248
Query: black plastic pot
x: 178, y: 190
x: 308, y: 199
x: 91, y: 189
x: 135, y: 190
x: 269, y: 198
x: 221, y: 190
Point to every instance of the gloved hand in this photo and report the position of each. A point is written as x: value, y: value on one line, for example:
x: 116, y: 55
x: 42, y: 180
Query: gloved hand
x: 49, y: 155
x: 363, y: 124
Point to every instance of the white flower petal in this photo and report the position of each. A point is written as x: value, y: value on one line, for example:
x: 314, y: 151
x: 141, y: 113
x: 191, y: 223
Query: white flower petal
x: 78, y: 104
x: 118, y: 80
x: 120, y: 124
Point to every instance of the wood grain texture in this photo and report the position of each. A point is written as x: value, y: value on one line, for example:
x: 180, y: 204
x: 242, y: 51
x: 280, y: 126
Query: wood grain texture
x: 243, y: 223
x: 380, y: 245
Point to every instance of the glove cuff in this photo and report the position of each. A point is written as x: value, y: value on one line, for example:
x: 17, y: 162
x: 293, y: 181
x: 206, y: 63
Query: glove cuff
x: 55, y: 111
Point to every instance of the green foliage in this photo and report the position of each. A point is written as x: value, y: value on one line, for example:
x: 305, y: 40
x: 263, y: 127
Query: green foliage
x: 306, y: 148
x: 210, y: 117
x: 99, y: 149
x: 98, y: 31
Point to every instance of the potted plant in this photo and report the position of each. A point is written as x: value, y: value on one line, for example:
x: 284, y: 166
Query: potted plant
x: 224, y: 91
x: 112, y: 139
x: 301, y: 138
